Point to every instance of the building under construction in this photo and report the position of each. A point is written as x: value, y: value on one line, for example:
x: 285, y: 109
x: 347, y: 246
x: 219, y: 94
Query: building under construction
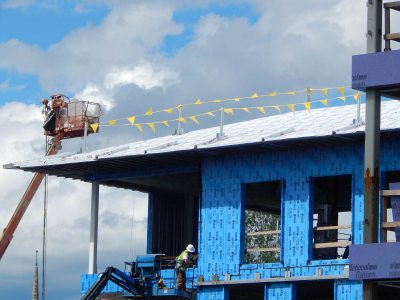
x: 275, y: 206
x: 303, y: 170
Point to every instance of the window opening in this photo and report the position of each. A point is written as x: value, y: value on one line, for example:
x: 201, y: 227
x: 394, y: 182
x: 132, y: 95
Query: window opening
x: 247, y: 292
x: 331, y: 216
x: 262, y: 222
x: 307, y: 290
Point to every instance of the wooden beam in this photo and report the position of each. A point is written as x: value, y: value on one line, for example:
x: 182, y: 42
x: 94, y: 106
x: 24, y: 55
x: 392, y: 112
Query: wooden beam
x: 392, y: 37
x: 388, y: 193
x: 264, y: 250
x: 332, y: 245
x: 390, y: 224
x: 320, y: 228
x: 263, y: 232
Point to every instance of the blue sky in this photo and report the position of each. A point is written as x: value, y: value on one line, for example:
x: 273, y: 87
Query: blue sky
x: 129, y: 56
x: 40, y: 25
x: 47, y: 24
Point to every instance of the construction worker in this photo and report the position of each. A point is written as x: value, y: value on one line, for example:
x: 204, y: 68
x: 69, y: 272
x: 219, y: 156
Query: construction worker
x: 182, y: 262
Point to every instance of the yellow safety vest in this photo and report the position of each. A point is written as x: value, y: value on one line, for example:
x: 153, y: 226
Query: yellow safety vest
x: 180, y: 262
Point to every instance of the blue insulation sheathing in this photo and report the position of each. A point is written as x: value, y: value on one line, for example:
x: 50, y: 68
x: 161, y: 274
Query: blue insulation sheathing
x: 221, y: 215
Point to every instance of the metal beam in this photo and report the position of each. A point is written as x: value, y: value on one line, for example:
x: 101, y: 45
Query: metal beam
x: 372, y: 141
x: 94, y: 218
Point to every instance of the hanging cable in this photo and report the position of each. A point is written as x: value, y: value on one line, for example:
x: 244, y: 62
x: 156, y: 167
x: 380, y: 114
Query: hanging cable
x: 45, y: 200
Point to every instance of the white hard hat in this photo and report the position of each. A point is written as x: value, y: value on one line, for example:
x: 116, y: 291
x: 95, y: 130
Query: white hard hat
x: 190, y: 248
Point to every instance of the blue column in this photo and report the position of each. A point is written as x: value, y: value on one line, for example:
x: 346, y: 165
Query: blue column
x: 279, y: 291
x: 348, y: 290
x: 296, y: 221
x: 213, y: 293
x: 220, y: 227
x: 358, y: 207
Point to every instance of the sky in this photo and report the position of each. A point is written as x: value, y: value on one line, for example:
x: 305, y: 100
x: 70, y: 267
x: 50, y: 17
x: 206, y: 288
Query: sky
x: 130, y: 55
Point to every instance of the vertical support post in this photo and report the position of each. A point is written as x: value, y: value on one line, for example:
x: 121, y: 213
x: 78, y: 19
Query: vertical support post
x: 179, y: 128
x: 221, y: 124
x: 359, y: 110
x: 387, y: 28
x: 94, y: 218
x: 374, y: 26
x: 372, y: 141
x: 85, y: 133
x: 309, y: 93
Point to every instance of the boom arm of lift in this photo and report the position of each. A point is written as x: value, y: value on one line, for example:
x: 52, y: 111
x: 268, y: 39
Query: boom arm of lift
x: 26, y: 199
x: 119, y: 278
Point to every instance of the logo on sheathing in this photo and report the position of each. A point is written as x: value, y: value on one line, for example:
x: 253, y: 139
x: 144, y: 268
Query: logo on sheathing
x: 359, y: 77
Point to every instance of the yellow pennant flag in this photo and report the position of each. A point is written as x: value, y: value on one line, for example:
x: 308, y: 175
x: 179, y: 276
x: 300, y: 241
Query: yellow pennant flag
x: 149, y: 112
x: 152, y: 126
x: 169, y: 110
x: 112, y: 122
x: 246, y: 109
x: 210, y: 113
x: 273, y: 94
x: 341, y: 90
x: 132, y: 120
x: 182, y: 120
x: 236, y: 99
x: 324, y: 102
x: 261, y: 110
x: 139, y: 126
x: 291, y: 107
x: 165, y: 123
x: 194, y: 119
x: 325, y: 92
x: 229, y: 111
x: 277, y: 107
x: 307, y: 105
x: 94, y: 126
x: 198, y: 102
x: 255, y: 95
x: 356, y: 97
x: 216, y: 100
x: 343, y: 98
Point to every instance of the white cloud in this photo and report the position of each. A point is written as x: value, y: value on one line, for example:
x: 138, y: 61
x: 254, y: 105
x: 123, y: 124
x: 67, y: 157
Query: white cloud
x: 20, y: 112
x: 94, y: 93
x: 208, y: 27
x: 145, y: 76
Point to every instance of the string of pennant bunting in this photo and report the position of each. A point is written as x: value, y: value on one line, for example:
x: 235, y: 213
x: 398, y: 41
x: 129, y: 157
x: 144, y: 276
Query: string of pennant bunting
x: 229, y: 111
x: 150, y: 112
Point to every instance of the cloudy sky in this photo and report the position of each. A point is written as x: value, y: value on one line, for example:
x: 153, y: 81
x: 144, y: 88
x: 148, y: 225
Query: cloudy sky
x: 130, y: 55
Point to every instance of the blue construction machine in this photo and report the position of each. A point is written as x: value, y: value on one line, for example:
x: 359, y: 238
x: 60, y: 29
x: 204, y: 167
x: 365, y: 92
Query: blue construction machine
x: 143, y: 281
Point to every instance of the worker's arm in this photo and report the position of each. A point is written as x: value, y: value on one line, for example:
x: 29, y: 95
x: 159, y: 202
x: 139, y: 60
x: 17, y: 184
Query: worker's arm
x: 192, y: 261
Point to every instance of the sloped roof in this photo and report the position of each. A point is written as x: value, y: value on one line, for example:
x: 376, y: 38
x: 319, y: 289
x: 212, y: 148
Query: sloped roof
x: 268, y: 132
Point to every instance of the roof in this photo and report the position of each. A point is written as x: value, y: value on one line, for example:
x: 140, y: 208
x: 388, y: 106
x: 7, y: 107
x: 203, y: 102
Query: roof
x: 273, y: 132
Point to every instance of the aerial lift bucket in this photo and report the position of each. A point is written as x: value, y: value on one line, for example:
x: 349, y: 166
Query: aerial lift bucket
x: 64, y: 118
